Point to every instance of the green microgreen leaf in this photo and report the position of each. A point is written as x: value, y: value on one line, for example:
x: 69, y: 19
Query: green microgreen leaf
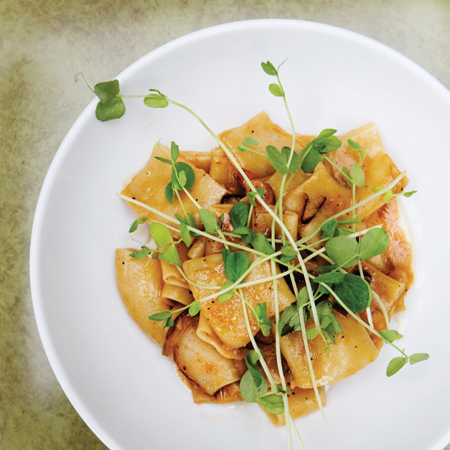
x: 189, y: 173
x: 251, y: 360
x: 247, y: 141
x: 236, y: 264
x: 272, y: 403
x: 276, y: 160
x: 373, y: 243
x: 168, y: 322
x: 418, y: 357
x: 252, y: 195
x: 390, y: 335
x: 324, y: 135
x: 227, y: 295
x: 261, y: 243
x: 288, y: 253
x: 134, y: 225
x: 303, y: 296
x: 114, y: 109
x: 310, y: 161
x: 170, y: 255
x: 378, y: 189
x: 276, y: 388
x: 169, y: 193
x: 327, y: 320
x: 164, y: 317
x: 225, y: 254
x: 388, y: 196
x: 182, y: 178
x: 195, y: 307
x: 141, y: 254
x: 330, y: 144
x: 269, y: 68
x: 355, y: 292
x: 343, y: 251
x: 164, y: 160
x: 159, y: 317
x: 329, y: 228
x: 209, y: 221
x: 219, y: 225
x: 276, y: 90
x: 348, y: 177
x: 156, y: 101
x: 174, y: 151
x: 395, y: 365
x: 357, y: 174
x: 408, y: 194
x: 107, y: 90
x: 253, y: 357
x: 295, y: 160
x: 296, y: 163
x: 263, y: 321
x: 189, y: 221
x: 285, y: 153
x: 353, y: 145
x: 243, y: 231
x: 249, y: 391
x: 312, y: 333
x: 290, y: 321
x: 185, y: 234
x: 160, y: 234
x: 239, y: 214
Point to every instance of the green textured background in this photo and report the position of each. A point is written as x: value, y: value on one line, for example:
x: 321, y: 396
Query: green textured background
x: 43, y: 43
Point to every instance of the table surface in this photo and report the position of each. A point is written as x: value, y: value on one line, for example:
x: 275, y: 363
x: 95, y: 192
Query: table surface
x: 42, y: 45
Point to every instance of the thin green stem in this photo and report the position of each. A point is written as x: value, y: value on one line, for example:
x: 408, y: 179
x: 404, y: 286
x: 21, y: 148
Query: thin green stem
x: 311, y: 370
x: 252, y: 339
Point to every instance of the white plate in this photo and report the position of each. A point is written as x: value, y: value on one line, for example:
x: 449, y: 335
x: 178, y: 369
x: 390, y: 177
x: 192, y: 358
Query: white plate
x: 114, y: 376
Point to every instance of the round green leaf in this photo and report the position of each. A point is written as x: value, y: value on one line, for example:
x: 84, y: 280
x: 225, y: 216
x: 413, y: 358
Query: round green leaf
x: 417, y: 357
x: 107, y: 90
x: 276, y: 90
x: 155, y: 101
x: 395, y: 365
x: 354, y: 292
x: 114, y: 109
x: 170, y: 255
x: 272, y: 403
x: 188, y: 171
x: 239, y: 214
x: 236, y: 264
x: 195, y: 307
x: 310, y: 161
x: 160, y: 234
x: 227, y: 295
x: 269, y: 68
x: 373, y: 243
x: 357, y: 175
x: 343, y: 251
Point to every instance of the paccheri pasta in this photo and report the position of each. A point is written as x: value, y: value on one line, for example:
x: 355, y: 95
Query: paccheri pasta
x: 209, y: 349
x: 279, y: 258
